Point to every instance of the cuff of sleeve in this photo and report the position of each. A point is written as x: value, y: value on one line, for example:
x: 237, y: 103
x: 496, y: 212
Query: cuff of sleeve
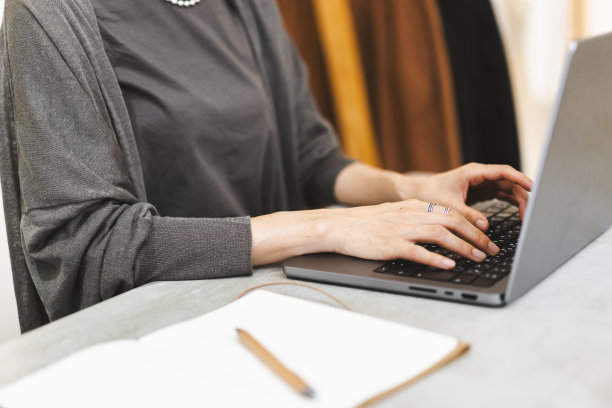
x: 195, y: 248
x: 319, y: 188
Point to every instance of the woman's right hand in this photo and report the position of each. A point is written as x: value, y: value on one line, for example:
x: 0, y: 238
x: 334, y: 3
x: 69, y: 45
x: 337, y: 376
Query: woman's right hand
x: 392, y: 230
x: 381, y: 232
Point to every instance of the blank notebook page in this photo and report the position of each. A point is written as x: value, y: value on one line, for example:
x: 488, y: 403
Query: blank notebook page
x: 346, y: 357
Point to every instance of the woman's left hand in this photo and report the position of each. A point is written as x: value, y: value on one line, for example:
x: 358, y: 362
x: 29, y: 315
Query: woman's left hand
x: 468, y: 184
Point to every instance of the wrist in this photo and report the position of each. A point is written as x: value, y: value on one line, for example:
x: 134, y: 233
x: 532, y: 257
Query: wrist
x: 283, y: 235
x: 319, y: 227
x: 405, y: 187
x: 360, y: 184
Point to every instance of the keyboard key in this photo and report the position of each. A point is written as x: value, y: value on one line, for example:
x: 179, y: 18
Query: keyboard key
x: 460, y: 268
x: 483, y: 283
x: 490, y: 261
x: 464, y: 278
x: 399, y: 272
x: 489, y: 212
x: 454, y: 256
x: 491, y: 275
x: 441, y: 251
x: 499, y: 205
x: 438, y: 275
x: 383, y: 268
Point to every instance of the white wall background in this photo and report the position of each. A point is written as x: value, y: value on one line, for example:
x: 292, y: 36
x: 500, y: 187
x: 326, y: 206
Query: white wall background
x: 536, y: 35
x: 9, y: 326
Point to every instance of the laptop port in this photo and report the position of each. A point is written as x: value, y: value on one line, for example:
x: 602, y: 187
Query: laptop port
x: 468, y: 296
x: 422, y: 289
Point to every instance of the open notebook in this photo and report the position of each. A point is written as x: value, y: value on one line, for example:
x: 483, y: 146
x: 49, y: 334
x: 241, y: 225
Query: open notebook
x: 349, y: 360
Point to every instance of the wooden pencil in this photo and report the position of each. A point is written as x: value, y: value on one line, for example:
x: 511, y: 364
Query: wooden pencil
x: 275, y: 365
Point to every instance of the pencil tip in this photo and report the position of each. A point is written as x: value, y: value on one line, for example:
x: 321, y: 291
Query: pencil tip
x: 308, y: 392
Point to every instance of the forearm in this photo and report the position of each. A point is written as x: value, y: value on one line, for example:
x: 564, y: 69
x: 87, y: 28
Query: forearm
x: 283, y: 235
x: 360, y: 184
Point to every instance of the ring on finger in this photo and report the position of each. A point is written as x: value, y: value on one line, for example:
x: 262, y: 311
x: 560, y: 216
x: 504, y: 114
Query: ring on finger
x: 447, y: 209
x: 430, y: 207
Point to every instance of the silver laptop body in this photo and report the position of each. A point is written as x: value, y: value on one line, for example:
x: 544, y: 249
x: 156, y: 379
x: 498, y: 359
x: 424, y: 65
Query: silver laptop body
x: 568, y: 208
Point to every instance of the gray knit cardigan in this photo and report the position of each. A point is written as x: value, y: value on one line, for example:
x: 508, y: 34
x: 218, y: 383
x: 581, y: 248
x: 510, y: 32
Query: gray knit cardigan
x: 79, y: 226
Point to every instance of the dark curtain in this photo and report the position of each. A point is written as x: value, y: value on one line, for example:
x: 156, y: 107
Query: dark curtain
x: 436, y: 76
x: 409, y: 82
x: 485, y: 106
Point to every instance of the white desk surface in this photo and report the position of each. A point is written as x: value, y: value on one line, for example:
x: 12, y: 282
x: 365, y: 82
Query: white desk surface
x: 550, y: 348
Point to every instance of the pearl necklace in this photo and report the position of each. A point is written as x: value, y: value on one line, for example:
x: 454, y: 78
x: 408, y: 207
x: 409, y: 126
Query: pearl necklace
x: 184, y: 3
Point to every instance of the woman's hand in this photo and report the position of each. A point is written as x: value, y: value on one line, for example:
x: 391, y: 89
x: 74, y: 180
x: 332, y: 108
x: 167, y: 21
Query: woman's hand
x: 468, y: 184
x: 383, y: 232
x: 392, y: 230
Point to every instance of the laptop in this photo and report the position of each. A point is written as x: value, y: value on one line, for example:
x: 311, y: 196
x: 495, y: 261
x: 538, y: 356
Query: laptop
x: 570, y: 205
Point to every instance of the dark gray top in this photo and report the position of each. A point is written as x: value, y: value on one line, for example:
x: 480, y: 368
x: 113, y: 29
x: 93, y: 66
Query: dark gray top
x: 201, y: 116
x: 79, y: 224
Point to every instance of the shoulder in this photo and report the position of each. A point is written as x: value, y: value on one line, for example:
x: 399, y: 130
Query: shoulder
x: 50, y: 12
x: 61, y: 21
x: 46, y: 5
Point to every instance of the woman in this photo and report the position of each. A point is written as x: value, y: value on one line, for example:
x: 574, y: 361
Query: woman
x: 140, y: 138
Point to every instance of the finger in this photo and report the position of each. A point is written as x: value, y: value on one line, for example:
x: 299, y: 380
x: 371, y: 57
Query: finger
x: 464, y: 223
x: 440, y: 235
x: 521, y: 195
x: 438, y: 208
x: 522, y: 205
x: 463, y: 228
x: 502, y: 195
x: 510, y: 192
x: 518, y: 193
x: 522, y: 198
x: 479, y: 173
x: 475, y: 217
x: 421, y: 255
x: 522, y: 209
x: 518, y: 196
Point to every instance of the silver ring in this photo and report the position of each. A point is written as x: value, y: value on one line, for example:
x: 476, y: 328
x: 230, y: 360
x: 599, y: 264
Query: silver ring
x: 447, y: 210
x: 430, y: 207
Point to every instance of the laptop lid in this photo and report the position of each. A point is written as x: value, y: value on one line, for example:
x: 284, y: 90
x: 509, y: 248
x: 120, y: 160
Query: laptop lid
x: 570, y: 203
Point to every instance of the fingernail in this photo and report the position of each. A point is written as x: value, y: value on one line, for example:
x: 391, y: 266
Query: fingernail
x: 478, y: 253
x: 481, y: 225
x: 448, y: 263
x: 494, y: 249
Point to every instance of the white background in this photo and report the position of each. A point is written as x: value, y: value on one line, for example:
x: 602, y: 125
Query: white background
x: 536, y: 36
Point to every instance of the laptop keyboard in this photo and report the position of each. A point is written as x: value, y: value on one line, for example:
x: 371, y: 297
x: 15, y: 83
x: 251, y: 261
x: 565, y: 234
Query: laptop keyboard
x: 504, y: 229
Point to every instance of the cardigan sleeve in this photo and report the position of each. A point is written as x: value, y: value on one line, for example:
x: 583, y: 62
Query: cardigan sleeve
x: 85, y: 234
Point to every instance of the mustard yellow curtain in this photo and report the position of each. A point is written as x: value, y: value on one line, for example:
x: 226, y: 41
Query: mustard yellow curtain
x: 337, y: 32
